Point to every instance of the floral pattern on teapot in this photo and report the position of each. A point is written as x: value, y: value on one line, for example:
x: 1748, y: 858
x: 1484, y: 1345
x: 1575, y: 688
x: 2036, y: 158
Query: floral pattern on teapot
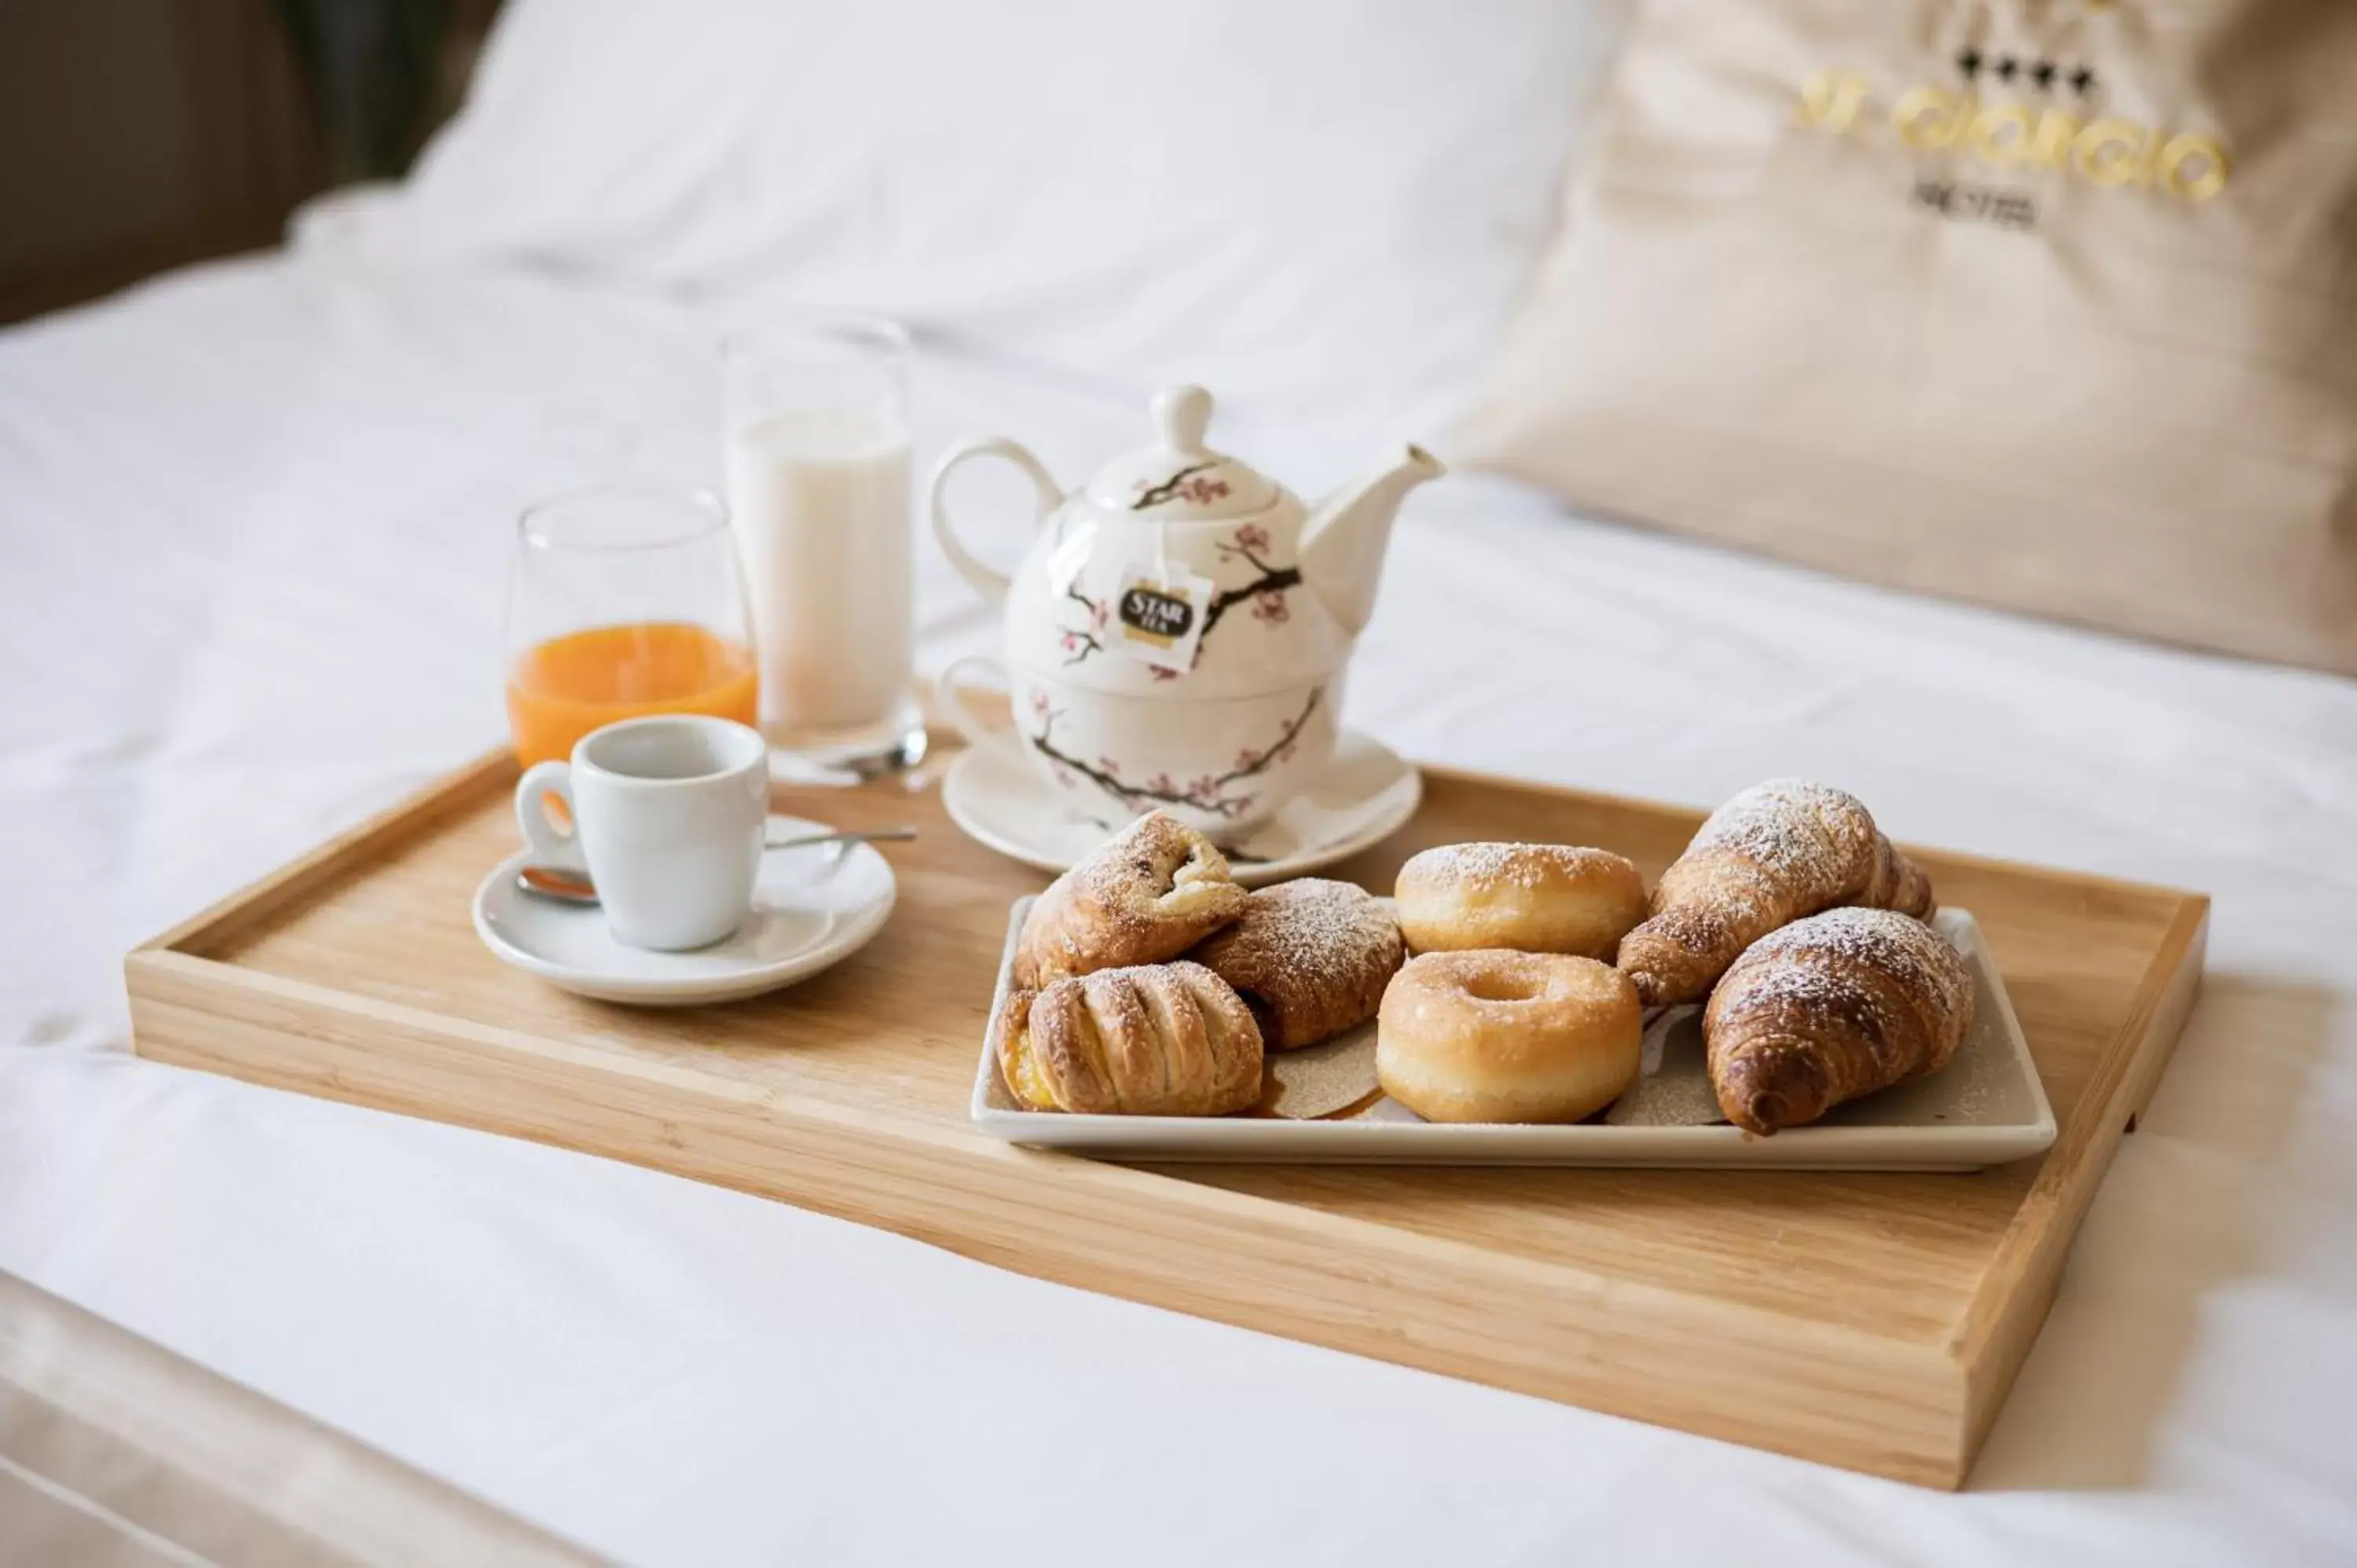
x: 1223, y: 735
x: 1232, y: 795
x: 1193, y: 483
x: 1264, y: 593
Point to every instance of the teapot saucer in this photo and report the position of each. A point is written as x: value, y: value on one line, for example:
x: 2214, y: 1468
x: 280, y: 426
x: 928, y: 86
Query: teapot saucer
x: 1362, y: 795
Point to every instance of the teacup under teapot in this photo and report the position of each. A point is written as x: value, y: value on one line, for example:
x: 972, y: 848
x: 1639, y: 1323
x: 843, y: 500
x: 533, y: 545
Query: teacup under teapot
x: 1177, y: 635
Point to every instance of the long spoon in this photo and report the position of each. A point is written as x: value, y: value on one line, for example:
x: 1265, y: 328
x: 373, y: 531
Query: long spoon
x: 574, y: 887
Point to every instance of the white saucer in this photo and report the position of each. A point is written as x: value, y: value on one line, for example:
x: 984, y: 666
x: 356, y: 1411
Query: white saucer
x: 805, y: 917
x: 1361, y: 797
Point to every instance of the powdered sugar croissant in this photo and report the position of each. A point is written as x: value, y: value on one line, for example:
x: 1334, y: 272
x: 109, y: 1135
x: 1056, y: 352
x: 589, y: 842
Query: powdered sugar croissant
x: 1829, y: 1008
x: 1777, y: 851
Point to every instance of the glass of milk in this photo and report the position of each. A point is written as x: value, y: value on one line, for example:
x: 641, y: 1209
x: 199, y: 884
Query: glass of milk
x: 818, y: 489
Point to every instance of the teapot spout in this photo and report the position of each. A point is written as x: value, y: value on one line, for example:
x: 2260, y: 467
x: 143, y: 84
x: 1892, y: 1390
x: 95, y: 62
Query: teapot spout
x: 1343, y: 545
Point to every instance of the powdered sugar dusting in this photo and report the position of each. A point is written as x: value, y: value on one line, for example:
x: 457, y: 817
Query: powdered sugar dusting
x: 1911, y: 952
x: 1146, y: 894
x: 1481, y: 867
x: 1831, y: 1007
x: 1316, y: 952
x: 1792, y: 827
x: 1842, y: 947
x: 1311, y: 926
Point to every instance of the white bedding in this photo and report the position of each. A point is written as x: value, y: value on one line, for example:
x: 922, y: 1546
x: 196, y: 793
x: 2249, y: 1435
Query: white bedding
x: 253, y: 527
x: 1328, y: 202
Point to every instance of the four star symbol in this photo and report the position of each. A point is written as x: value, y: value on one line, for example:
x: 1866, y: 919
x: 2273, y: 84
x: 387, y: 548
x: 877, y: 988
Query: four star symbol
x: 2044, y: 73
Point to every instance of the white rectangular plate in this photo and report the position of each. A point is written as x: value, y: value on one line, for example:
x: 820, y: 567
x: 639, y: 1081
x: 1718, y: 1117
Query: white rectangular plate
x: 1987, y: 1107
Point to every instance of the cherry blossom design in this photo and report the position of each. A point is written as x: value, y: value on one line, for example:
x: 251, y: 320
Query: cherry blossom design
x: 1078, y: 642
x: 1210, y: 792
x: 1191, y: 484
x: 1266, y: 591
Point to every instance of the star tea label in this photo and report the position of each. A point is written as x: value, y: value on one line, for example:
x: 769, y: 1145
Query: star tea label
x: 1158, y: 615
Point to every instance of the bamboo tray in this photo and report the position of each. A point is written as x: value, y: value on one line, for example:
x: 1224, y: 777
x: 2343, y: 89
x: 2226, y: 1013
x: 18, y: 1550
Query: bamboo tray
x: 1868, y: 1320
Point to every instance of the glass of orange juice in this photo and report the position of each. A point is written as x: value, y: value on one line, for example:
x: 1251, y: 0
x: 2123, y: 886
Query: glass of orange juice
x: 624, y: 600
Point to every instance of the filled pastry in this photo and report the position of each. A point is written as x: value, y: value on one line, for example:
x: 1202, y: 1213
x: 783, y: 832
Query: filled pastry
x: 1167, y: 1039
x: 1309, y: 957
x: 1775, y: 853
x: 1148, y: 893
x: 1829, y: 1008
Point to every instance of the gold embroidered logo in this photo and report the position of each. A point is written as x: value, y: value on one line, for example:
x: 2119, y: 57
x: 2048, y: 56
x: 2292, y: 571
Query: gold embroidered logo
x: 2108, y: 149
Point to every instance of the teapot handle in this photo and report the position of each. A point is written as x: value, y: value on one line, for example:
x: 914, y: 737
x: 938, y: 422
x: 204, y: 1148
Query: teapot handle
x: 988, y: 581
x: 949, y: 694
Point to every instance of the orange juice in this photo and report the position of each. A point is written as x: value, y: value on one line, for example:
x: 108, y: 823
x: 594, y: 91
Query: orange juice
x: 562, y: 688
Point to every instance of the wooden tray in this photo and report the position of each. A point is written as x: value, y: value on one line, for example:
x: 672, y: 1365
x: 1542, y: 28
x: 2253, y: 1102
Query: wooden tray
x: 1873, y: 1321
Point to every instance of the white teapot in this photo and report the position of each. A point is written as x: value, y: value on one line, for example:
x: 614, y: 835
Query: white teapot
x: 1177, y: 635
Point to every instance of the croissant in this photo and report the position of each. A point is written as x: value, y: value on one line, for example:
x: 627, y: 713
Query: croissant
x: 1829, y: 1008
x: 1165, y: 1039
x: 1150, y: 892
x: 1774, y: 853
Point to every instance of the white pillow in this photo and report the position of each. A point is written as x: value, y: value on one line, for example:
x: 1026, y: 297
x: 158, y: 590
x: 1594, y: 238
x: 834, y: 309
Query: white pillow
x: 1325, y: 204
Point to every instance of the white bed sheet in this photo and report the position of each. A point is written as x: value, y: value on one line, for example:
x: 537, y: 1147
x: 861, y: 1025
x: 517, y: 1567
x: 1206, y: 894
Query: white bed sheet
x: 253, y: 526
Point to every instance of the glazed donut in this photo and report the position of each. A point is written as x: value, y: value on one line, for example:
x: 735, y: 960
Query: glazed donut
x: 1532, y: 898
x: 1508, y: 1036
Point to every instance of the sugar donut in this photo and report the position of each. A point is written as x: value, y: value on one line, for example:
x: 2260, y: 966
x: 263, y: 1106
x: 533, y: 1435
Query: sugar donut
x: 1532, y: 898
x: 1508, y: 1036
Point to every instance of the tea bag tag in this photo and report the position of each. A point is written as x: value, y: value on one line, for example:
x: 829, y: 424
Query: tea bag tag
x: 1158, y: 611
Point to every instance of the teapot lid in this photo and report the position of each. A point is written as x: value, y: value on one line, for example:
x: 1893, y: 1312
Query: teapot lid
x: 1181, y: 479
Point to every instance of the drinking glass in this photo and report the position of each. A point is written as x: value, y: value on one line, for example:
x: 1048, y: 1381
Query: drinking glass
x: 622, y: 601
x: 817, y: 457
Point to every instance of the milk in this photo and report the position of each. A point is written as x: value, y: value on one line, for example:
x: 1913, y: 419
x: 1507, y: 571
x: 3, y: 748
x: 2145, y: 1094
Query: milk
x: 820, y: 507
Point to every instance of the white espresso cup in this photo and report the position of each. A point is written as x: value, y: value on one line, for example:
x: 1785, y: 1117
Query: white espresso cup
x: 667, y: 816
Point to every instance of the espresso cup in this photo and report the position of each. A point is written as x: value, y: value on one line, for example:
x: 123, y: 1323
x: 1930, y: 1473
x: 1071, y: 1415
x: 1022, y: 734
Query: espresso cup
x: 667, y: 814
